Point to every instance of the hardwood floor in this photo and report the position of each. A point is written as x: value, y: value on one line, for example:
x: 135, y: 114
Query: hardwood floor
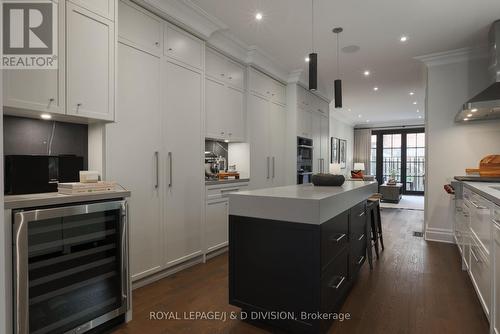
x: 415, y: 287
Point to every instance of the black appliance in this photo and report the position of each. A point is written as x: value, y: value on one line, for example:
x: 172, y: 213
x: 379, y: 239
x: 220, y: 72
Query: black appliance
x: 30, y: 174
x: 304, y: 160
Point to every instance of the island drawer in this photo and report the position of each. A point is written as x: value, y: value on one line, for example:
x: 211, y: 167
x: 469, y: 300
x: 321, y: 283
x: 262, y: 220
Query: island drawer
x: 358, y: 254
x: 335, y: 283
x: 357, y: 221
x: 334, y: 238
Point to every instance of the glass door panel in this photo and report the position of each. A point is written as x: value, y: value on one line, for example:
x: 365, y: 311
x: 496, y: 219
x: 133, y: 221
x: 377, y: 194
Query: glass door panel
x: 415, y: 162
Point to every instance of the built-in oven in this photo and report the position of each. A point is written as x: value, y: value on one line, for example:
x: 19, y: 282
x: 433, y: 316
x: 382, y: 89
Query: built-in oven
x: 70, y: 267
x: 304, y: 160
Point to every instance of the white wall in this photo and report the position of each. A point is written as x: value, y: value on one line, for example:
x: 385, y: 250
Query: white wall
x: 452, y: 147
x: 343, y: 130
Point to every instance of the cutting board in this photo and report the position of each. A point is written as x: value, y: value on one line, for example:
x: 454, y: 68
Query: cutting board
x: 489, y: 166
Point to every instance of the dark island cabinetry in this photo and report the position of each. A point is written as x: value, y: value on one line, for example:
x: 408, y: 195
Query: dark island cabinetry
x: 295, y: 275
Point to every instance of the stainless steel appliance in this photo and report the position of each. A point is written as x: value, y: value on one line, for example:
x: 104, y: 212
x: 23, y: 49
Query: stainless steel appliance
x: 31, y: 174
x: 71, y: 271
x: 304, y: 160
x: 486, y: 104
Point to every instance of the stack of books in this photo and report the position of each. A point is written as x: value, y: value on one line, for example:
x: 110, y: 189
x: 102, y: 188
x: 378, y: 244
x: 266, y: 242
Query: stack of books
x: 76, y: 188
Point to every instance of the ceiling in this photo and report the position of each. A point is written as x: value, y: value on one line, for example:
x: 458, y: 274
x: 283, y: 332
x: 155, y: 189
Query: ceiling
x: 432, y: 26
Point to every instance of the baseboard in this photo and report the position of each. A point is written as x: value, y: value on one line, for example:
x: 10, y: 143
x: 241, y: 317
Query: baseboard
x: 217, y: 252
x: 167, y: 272
x: 439, y: 235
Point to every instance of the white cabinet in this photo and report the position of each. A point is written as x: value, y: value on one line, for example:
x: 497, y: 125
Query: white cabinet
x: 261, y: 84
x: 134, y: 156
x: 481, y: 221
x: 38, y: 90
x: 217, y: 214
x: 277, y: 124
x: 304, y: 123
x: 140, y: 28
x: 480, y: 273
x: 320, y: 134
x: 224, y: 98
x: 183, y: 47
x: 104, y: 8
x: 182, y: 106
x: 90, y: 64
x: 217, y: 221
x: 496, y: 276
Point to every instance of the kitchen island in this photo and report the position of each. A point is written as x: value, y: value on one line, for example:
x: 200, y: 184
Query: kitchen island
x: 295, y: 251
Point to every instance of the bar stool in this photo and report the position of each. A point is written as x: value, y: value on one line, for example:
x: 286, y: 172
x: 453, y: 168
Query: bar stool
x: 375, y: 227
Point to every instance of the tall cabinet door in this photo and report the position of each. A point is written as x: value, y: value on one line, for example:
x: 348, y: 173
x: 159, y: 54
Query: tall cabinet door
x: 258, y: 127
x: 316, y: 137
x: 183, y: 130
x: 90, y: 64
x: 325, y: 140
x: 133, y: 148
x: 278, y: 144
x: 215, y: 103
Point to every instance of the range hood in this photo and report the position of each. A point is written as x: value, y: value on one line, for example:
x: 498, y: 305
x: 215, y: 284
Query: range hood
x: 486, y: 104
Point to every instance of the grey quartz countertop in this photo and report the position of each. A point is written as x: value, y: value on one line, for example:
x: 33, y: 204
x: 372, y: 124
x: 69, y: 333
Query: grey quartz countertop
x: 215, y: 182
x: 46, y: 199
x: 303, y: 203
x: 490, y: 191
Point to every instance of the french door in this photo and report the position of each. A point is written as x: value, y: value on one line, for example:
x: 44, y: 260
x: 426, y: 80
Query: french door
x: 400, y: 154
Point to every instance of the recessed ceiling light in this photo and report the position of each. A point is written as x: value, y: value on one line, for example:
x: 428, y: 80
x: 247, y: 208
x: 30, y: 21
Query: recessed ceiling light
x: 466, y: 119
x: 469, y: 115
x: 474, y: 110
x: 419, y: 116
x: 412, y: 93
x: 415, y: 102
x: 403, y: 39
x: 307, y: 59
x: 226, y: 140
x: 359, y: 116
x: 366, y: 73
x: 349, y: 109
x: 418, y: 110
x: 367, y: 121
x: 375, y: 88
x: 46, y: 116
x: 258, y: 16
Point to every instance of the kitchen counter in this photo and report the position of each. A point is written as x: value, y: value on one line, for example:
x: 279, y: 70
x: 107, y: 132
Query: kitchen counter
x: 304, y: 203
x: 226, y: 181
x: 46, y: 199
x: 486, y: 189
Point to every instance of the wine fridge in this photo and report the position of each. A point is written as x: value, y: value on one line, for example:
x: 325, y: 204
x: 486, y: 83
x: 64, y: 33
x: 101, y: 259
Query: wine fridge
x: 70, y: 267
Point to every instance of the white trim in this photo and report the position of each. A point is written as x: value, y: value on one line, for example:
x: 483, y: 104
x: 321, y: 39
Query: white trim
x: 439, y: 235
x: 453, y: 56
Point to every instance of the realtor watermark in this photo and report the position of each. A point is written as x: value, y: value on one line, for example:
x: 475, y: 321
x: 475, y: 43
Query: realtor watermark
x: 253, y: 315
x: 29, y: 34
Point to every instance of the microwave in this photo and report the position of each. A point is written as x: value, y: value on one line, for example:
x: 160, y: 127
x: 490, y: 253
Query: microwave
x: 31, y: 174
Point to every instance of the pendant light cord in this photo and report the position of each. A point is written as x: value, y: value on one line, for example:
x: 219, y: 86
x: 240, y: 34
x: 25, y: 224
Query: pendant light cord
x: 312, y: 26
x: 338, y: 56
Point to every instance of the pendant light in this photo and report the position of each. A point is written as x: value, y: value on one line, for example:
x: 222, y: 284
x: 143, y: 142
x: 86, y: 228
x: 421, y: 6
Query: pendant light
x: 313, y: 57
x: 338, y: 82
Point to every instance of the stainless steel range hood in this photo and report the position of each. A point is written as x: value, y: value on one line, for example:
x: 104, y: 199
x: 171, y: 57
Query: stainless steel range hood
x: 486, y: 104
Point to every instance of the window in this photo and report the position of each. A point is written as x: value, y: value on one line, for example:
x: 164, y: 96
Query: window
x: 415, y: 161
x: 391, y: 157
x: 373, y: 156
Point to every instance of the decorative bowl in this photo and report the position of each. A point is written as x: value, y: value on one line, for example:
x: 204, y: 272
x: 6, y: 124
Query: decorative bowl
x: 328, y: 180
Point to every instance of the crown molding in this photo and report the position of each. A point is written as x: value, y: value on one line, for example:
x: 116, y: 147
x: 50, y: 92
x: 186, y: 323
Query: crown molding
x: 259, y: 59
x: 185, y: 14
x: 294, y: 76
x: 453, y: 56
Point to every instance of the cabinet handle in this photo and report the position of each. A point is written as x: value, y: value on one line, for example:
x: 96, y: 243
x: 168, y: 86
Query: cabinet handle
x: 336, y: 286
x: 361, y: 237
x: 157, y: 43
x: 78, y: 105
x: 340, y: 237
x: 477, y: 206
x: 222, y: 74
x: 170, y: 49
x: 170, y: 182
x: 267, y: 163
x: 229, y: 189
x: 157, y: 163
x: 361, y: 214
x: 274, y: 170
x: 496, y: 221
x: 230, y: 78
x: 361, y: 259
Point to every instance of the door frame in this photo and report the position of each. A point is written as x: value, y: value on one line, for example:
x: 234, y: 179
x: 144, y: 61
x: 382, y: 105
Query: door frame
x: 403, y: 132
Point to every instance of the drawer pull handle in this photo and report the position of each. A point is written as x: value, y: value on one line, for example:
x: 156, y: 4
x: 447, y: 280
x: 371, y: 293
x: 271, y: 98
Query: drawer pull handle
x: 475, y: 256
x: 477, y: 206
x: 337, y: 239
x: 361, y: 214
x: 496, y: 221
x: 361, y: 237
x: 361, y: 259
x: 337, y: 286
x: 229, y: 189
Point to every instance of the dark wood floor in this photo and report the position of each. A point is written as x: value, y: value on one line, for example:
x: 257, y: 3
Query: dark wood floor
x: 415, y: 287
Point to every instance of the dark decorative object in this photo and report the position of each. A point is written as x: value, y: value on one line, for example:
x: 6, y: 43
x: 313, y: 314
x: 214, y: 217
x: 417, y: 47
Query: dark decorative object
x: 343, y: 153
x: 335, y: 150
x: 328, y: 180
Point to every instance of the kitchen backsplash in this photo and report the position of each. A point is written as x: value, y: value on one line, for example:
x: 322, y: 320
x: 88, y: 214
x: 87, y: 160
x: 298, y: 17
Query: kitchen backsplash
x: 32, y: 136
x: 217, y: 147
